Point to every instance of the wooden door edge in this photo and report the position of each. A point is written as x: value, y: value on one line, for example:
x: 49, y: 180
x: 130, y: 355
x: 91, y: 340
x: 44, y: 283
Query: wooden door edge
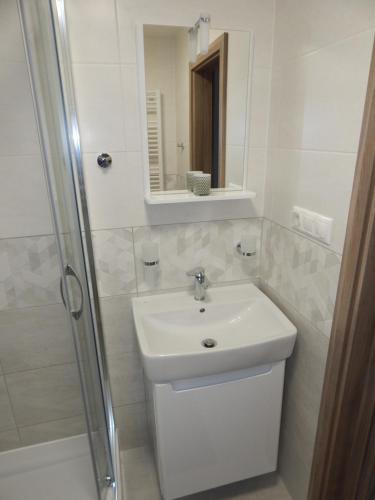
x: 218, y: 47
x: 342, y: 457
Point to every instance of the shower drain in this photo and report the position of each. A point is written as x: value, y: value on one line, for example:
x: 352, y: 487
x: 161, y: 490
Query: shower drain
x: 209, y: 343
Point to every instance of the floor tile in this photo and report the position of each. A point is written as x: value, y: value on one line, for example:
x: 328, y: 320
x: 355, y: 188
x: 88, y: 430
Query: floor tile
x: 141, y: 482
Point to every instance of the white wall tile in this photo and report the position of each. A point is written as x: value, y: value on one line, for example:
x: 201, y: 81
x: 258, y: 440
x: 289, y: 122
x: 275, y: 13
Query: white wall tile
x: 115, y: 195
x: 303, y: 26
x: 45, y: 394
x: 18, y: 131
x: 6, y: 414
x: 93, y: 31
x: 239, y: 72
x: 11, y: 44
x: 259, y: 108
x: 131, y: 107
x: 319, y: 181
x: 25, y: 209
x: 99, y: 104
x: 126, y: 378
x: 256, y: 177
x: 322, y: 96
x: 316, y: 113
x: 35, y: 337
x: 118, y: 324
x: 127, y: 33
x: 9, y: 440
x: 260, y: 16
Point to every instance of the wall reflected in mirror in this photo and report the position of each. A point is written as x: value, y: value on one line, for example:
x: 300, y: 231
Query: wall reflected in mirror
x: 196, y: 111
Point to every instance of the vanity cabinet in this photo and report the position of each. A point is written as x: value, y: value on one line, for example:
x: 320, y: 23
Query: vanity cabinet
x: 214, y: 430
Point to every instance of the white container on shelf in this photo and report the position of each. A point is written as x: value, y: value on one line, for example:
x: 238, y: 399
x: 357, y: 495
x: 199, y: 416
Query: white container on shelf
x: 190, y: 178
x: 202, y: 184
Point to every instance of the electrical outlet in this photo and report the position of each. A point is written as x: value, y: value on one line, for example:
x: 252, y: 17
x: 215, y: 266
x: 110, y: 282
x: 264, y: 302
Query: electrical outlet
x: 313, y: 224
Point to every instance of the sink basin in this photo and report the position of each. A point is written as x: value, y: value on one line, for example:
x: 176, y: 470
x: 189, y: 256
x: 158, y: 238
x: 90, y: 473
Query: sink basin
x: 237, y: 327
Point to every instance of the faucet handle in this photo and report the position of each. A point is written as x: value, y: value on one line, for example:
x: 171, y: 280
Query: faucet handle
x: 196, y: 271
x: 200, y: 276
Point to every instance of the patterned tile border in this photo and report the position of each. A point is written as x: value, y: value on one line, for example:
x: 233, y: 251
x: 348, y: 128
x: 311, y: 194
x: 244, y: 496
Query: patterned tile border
x: 302, y: 272
x: 114, y: 261
x: 29, y: 272
x: 208, y: 244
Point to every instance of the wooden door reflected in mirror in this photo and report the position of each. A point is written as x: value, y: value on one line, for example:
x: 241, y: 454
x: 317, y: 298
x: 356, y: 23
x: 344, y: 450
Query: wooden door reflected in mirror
x: 208, y: 104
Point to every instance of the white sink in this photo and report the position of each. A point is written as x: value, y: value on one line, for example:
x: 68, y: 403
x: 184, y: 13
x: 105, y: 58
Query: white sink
x: 248, y: 329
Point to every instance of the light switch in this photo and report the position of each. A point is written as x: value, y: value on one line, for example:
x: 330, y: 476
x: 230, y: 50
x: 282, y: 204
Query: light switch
x: 317, y: 226
x: 307, y: 223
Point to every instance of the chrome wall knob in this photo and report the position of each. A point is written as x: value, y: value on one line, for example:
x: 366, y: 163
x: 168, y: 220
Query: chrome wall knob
x: 104, y: 160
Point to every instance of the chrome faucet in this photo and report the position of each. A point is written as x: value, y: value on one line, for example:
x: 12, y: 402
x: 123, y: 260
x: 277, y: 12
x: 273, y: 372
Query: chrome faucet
x: 200, y: 281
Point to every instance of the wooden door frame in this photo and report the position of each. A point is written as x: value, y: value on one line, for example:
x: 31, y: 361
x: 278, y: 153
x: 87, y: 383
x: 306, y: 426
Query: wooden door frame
x: 218, y: 47
x: 344, y: 456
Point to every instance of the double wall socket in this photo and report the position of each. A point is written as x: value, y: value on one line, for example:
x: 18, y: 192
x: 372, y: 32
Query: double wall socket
x: 315, y: 225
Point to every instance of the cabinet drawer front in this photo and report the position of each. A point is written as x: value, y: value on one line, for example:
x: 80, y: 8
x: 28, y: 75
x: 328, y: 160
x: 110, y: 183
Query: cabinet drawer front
x: 218, y: 433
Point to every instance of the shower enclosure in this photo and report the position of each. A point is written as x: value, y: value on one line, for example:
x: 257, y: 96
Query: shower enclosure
x: 47, y: 53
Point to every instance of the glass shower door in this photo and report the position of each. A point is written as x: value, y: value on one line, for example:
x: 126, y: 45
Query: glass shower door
x: 45, y: 37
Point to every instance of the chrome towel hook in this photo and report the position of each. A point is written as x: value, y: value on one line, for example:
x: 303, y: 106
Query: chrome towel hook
x: 104, y: 160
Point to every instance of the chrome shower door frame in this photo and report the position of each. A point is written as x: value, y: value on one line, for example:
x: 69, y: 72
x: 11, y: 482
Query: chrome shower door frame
x: 54, y: 101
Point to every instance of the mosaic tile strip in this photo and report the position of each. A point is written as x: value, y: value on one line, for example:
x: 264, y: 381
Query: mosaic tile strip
x: 302, y: 272
x: 114, y: 261
x: 208, y: 244
x: 7, y: 289
x: 29, y: 272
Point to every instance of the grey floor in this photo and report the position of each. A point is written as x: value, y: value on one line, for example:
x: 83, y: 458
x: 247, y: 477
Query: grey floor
x: 141, y: 482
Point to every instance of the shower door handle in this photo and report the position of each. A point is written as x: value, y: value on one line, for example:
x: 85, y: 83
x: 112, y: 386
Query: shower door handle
x: 69, y: 271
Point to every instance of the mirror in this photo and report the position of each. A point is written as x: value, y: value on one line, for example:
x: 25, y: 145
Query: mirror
x: 196, y: 112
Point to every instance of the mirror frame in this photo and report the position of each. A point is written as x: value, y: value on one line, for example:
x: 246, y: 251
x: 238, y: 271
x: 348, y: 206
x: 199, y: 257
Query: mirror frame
x: 184, y: 196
